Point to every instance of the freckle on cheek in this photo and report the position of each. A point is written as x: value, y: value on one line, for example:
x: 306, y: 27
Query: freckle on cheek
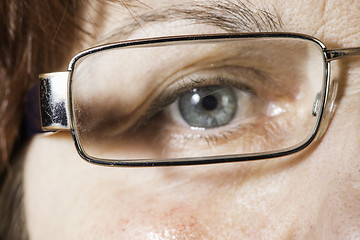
x: 152, y: 221
x: 341, y: 214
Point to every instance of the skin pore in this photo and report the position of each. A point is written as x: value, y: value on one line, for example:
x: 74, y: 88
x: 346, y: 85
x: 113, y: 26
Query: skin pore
x: 314, y: 194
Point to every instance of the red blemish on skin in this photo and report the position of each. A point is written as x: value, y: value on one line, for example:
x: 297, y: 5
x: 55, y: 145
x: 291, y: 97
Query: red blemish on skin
x: 193, y: 223
x: 182, y: 222
x: 173, y: 221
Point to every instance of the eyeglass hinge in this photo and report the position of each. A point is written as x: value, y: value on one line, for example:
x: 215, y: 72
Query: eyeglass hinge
x: 339, y: 53
x: 53, y: 101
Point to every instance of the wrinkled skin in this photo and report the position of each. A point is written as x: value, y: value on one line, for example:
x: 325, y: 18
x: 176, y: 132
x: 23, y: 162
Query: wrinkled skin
x: 314, y: 194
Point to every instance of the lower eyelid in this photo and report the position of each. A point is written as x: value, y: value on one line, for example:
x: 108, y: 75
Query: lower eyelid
x: 239, y: 136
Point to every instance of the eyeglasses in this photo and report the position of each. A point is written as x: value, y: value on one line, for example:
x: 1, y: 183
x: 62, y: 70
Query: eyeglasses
x: 198, y: 99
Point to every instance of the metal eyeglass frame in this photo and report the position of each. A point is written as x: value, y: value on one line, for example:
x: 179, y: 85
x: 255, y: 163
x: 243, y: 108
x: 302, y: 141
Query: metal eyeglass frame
x: 56, y: 103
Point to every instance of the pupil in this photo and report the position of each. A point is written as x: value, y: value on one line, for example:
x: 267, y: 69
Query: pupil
x: 209, y: 103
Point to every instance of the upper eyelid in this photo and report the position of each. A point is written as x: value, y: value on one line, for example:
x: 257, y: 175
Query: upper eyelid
x: 238, y: 76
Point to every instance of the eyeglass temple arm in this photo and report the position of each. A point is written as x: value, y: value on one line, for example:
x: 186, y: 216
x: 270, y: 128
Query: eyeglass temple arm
x: 334, y: 54
x: 53, y: 101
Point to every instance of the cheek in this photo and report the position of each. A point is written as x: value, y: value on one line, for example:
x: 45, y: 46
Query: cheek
x: 340, y: 214
x: 339, y: 174
x: 67, y: 198
x: 145, y: 216
x: 47, y: 170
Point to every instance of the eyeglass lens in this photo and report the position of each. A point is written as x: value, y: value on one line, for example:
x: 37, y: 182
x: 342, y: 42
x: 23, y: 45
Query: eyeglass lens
x: 228, y: 97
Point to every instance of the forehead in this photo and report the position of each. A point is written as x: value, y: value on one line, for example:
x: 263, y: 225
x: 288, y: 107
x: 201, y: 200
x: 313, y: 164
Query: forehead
x: 332, y: 21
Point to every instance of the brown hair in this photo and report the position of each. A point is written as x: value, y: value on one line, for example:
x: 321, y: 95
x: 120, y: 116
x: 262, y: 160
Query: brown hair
x: 36, y: 35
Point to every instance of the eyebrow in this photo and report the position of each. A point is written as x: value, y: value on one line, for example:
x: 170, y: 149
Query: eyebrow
x: 233, y: 17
